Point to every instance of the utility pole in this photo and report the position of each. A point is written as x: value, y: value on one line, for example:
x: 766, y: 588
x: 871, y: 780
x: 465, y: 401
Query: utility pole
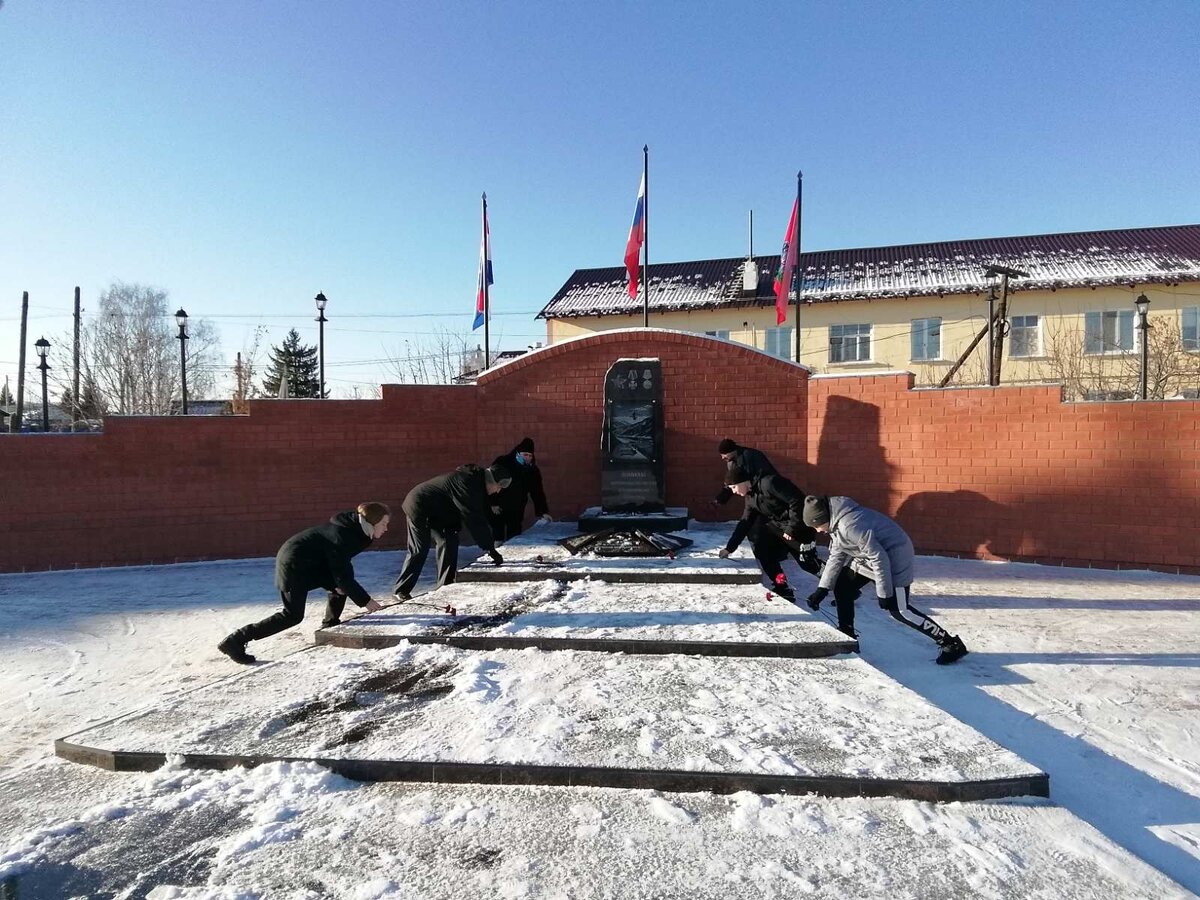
x: 991, y: 335
x: 997, y: 343
x: 15, y: 421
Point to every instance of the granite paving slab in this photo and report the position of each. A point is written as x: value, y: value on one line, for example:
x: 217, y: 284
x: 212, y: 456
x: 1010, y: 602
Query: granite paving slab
x: 723, y: 620
x: 834, y: 726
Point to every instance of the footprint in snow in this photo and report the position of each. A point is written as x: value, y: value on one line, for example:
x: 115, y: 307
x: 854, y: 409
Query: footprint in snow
x: 671, y: 813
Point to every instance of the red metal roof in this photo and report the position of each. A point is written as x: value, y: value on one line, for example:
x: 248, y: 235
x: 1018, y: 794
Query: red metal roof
x: 1164, y: 255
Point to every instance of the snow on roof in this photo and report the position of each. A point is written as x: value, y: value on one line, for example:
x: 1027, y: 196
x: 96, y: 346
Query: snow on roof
x: 1163, y: 255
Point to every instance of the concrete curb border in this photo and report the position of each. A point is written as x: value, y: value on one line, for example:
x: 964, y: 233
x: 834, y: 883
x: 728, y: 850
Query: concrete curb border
x: 614, y: 576
x: 670, y: 780
x: 378, y: 641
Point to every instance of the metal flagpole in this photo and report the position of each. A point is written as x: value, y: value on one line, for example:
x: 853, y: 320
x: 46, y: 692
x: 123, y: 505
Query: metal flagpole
x: 646, y: 238
x: 797, y: 276
x: 76, y: 413
x: 487, y: 303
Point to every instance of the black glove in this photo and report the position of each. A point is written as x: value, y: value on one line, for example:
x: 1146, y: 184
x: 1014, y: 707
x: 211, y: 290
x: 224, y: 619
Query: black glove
x: 496, y: 557
x: 815, y: 598
x: 888, y: 603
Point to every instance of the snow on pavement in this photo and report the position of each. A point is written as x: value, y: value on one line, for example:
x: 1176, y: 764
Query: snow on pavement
x: 1089, y: 675
x: 296, y: 830
x: 833, y: 717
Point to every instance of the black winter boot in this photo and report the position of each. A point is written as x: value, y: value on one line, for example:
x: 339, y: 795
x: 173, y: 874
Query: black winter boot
x: 952, y: 651
x: 234, y: 647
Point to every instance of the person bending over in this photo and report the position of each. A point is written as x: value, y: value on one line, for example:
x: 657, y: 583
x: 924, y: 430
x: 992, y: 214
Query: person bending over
x: 867, y: 547
x: 317, y: 557
x: 438, y: 509
x: 773, y: 520
x: 506, y: 513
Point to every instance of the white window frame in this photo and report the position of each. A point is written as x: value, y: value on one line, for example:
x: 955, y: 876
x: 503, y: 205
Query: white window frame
x: 859, y: 337
x: 778, y: 341
x: 1094, y: 322
x: 1190, y: 344
x: 923, y: 332
x: 1035, y: 345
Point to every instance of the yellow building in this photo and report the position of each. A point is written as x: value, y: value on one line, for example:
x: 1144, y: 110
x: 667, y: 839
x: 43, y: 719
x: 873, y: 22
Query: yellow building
x: 1070, y: 316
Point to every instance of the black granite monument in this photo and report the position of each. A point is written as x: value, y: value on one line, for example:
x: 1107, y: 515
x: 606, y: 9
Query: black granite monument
x: 633, y: 465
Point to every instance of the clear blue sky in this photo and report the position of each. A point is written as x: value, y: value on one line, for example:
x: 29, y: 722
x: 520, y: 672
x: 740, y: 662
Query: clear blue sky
x: 245, y: 155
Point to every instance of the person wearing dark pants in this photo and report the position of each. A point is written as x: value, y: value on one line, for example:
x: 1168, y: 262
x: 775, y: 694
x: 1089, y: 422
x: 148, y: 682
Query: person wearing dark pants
x: 867, y: 547
x: 437, y: 510
x: 316, y: 558
x: 506, y: 511
x: 749, y: 460
x: 773, y: 520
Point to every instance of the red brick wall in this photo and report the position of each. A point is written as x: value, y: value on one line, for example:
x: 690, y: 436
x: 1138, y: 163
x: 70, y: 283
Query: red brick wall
x: 1014, y: 473
x: 151, y: 490
x: 1005, y: 472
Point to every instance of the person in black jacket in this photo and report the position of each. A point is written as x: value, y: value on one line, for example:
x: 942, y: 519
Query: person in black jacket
x: 774, y: 522
x: 438, y: 509
x: 749, y: 460
x: 506, y: 514
x: 316, y: 558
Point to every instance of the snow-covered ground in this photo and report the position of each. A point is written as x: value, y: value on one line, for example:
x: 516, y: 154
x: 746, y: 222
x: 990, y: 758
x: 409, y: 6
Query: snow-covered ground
x: 1090, y: 676
x: 599, y: 611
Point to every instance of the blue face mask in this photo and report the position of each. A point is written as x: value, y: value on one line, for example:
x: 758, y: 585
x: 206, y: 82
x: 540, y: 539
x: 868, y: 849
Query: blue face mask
x: 521, y: 461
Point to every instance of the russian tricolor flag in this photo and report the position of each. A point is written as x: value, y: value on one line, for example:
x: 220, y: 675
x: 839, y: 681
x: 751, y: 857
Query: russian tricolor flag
x: 637, y: 236
x: 485, y: 275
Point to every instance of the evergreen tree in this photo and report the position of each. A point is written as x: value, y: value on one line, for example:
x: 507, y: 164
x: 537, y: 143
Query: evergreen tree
x: 67, y: 402
x: 301, y: 364
x: 6, y: 396
x: 91, y: 406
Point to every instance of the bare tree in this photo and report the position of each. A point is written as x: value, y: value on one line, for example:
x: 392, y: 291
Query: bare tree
x: 358, y: 392
x: 439, y: 360
x: 245, y: 370
x: 129, y: 351
x: 1171, y: 369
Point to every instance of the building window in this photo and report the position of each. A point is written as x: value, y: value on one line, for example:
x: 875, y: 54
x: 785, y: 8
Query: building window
x: 720, y: 333
x: 1191, y: 328
x: 849, y: 343
x: 1024, y: 336
x: 778, y: 342
x: 1108, y: 332
x: 926, y: 339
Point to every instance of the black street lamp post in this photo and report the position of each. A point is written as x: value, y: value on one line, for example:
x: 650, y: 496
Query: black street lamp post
x: 1142, y: 304
x: 321, y: 320
x: 181, y: 318
x: 43, y: 348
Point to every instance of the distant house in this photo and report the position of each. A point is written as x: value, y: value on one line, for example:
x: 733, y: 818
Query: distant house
x: 472, y: 361
x: 202, y: 408
x: 917, y: 307
x: 31, y: 417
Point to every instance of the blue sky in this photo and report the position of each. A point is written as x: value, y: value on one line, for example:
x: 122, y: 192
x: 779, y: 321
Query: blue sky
x: 244, y: 156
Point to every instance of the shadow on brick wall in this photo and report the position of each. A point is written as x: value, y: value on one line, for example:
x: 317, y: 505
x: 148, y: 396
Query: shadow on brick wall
x: 851, y: 460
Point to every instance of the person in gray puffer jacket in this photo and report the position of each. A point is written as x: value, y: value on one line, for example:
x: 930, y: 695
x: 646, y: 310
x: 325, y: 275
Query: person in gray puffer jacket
x: 866, y: 546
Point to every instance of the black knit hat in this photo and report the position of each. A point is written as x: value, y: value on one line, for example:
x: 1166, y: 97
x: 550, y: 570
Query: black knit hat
x: 727, y: 446
x: 816, y: 511
x: 736, y: 475
x: 526, y: 445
